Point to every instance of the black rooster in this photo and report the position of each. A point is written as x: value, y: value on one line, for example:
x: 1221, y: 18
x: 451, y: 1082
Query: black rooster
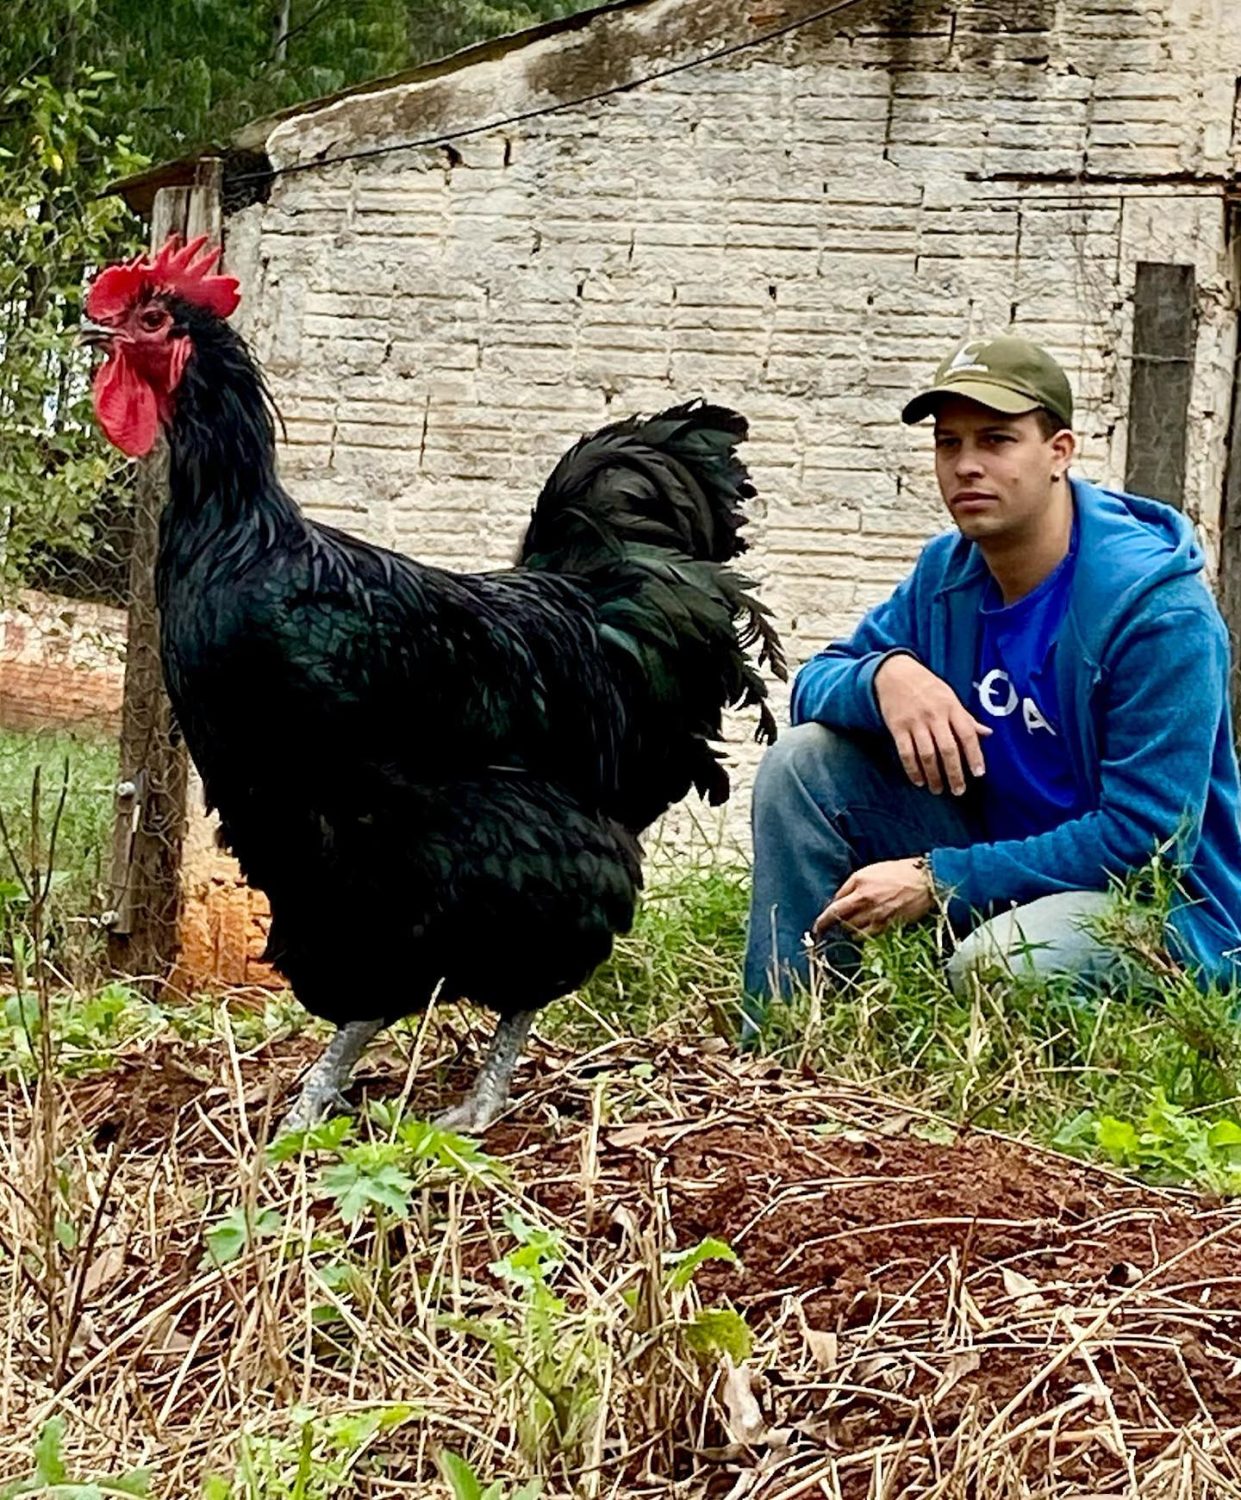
x: 437, y: 779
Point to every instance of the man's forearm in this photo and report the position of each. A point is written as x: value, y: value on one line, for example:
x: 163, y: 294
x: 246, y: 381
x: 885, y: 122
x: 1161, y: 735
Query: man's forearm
x: 1086, y: 853
x: 837, y: 689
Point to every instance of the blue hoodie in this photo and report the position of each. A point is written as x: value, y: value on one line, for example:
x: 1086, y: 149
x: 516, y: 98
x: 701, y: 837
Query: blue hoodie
x: 1142, y: 670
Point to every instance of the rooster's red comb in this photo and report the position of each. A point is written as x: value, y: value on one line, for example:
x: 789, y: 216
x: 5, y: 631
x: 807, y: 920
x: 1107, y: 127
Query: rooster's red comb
x: 177, y: 270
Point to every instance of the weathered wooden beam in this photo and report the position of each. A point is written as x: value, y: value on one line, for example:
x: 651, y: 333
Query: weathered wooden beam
x: 1229, y: 586
x: 1164, y: 338
x: 151, y: 790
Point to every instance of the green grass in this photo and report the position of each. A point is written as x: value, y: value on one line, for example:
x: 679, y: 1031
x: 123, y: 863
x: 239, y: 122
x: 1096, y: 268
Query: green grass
x: 681, y: 964
x: 1140, y: 1078
x: 84, y: 836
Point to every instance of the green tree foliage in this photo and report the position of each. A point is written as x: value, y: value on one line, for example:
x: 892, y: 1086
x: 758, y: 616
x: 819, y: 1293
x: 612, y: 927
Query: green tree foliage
x: 56, y: 226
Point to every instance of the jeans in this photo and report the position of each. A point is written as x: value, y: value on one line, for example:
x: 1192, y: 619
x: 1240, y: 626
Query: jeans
x: 827, y: 802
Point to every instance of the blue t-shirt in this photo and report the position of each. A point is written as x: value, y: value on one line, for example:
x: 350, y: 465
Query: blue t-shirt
x: 1030, y: 785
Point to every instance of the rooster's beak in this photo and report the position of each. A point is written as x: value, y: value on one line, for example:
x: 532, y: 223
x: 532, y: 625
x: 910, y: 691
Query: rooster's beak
x: 95, y: 334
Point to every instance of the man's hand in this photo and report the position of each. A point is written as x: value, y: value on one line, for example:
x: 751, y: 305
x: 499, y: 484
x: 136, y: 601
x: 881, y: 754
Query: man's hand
x: 935, y: 735
x: 895, y: 890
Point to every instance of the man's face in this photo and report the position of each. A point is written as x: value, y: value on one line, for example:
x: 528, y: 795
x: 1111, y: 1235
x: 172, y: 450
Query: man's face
x: 996, y: 472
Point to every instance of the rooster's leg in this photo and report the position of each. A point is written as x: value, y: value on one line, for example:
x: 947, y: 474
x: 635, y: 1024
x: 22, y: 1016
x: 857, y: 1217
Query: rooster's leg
x: 489, y: 1093
x: 325, y: 1083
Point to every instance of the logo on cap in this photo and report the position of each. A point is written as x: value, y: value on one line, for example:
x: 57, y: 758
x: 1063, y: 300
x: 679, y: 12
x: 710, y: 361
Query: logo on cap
x: 968, y: 358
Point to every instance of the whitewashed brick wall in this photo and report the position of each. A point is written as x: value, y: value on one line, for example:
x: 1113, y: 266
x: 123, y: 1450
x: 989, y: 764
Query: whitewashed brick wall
x: 802, y: 230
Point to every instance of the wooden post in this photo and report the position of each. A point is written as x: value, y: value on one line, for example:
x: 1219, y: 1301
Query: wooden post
x: 1230, y: 537
x: 151, y: 791
x: 1164, y: 340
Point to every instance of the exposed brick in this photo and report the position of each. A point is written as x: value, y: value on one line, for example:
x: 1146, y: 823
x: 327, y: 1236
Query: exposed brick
x: 62, y: 664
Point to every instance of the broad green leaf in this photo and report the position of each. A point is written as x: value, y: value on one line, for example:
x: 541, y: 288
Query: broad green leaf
x: 328, y: 1135
x: 355, y: 1187
x: 1224, y: 1135
x: 1118, y: 1139
x: 720, y: 1330
x: 136, y: 1482
x: 460, y: 1477
x: 227, y: 1239
x: 394, y: 1415
x: 687, y: 1262
x: 49, y: 1467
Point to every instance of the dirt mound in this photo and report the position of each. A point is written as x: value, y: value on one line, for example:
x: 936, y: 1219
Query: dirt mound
x: 912, y: 1283
x: 912, y: 1295
x: 927, y: 1310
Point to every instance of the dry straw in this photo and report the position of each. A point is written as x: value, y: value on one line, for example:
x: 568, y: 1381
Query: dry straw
x: 903, y: 1338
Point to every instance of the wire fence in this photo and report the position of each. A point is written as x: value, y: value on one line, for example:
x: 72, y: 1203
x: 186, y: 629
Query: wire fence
x: 63, y: 632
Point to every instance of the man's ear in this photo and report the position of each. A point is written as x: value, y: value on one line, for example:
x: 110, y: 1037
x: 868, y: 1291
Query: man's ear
x: 1063, y: 447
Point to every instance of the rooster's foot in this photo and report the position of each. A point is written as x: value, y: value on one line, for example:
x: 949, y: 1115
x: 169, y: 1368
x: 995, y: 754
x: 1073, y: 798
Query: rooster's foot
x: 489, y: 1095
x: 323, y: 1092
x: 312, y: 1108
x: 472, y: 1116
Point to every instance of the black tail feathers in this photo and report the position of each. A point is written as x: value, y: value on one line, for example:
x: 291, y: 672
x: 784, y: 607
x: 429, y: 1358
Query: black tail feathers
x: 672, y: 480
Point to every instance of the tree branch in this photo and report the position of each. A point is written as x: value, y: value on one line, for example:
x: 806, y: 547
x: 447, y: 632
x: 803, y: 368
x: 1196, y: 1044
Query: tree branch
x: 280, y: 46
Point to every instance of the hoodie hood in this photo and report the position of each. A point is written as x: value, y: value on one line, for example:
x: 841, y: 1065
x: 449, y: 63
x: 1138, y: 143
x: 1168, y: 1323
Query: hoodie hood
x: 1127, y: 546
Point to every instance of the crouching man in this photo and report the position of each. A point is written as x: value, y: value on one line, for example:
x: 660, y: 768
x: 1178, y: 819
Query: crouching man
x: 1039, y: 707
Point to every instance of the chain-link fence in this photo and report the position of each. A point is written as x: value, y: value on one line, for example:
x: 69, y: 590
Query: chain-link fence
x: 62, y: 665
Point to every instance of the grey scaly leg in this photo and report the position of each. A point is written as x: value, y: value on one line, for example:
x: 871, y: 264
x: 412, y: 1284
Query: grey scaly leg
x: 325, y: 1083
x: 489, y: 1093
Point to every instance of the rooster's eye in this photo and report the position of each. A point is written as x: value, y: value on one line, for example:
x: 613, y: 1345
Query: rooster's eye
x: 151, y: 319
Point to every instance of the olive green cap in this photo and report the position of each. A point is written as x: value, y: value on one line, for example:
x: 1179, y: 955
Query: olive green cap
x: 1007, y: 374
